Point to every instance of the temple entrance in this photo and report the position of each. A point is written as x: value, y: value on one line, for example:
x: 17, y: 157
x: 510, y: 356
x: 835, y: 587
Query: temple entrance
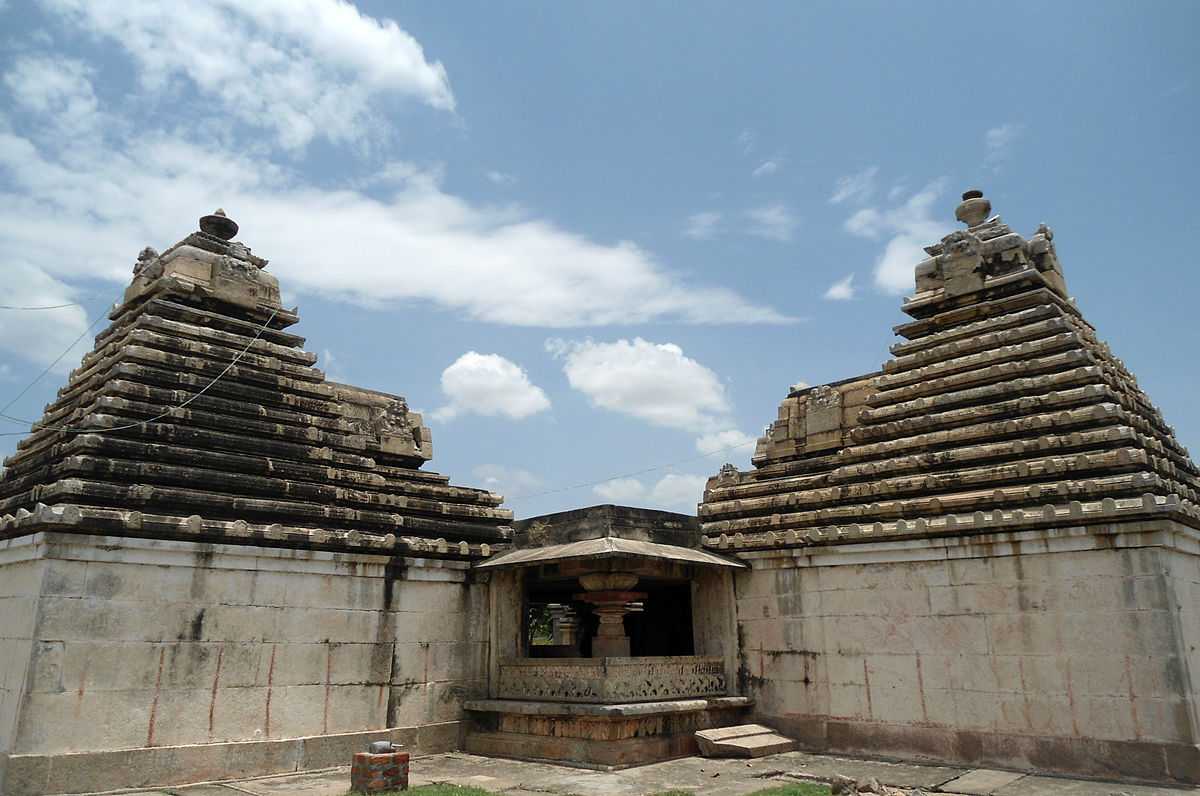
x: 560, y: 626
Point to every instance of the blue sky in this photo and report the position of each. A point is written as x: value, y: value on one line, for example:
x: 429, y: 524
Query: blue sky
x: 588, y: 240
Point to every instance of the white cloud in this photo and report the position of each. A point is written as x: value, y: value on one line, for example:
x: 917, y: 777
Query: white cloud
x: 512, y: 482
x: 81, y: 206
x: 87, y: 215
x: 57, y: 89
x: 41, y: 335
x: 301, y: 68
x: 653, y: 382
x: 679, y: 490
x: 765, y: 168
x: 674, y: 492
x: 702, y: 226
x: 858, y: 187
x: 998, y: 142
x: 490, y: 385
x: 866, y: 223
x: 746, y: 140
x: 329, y: 362
x: 911, y: 226
x: 773, y: 221
x: 730, y: 441
x: 621, y: 490
x: 501, y: 178
x: 841, y: 290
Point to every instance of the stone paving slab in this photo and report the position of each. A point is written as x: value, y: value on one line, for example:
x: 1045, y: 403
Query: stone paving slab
x: 901, y: 775
x: 1033, y: 785
x: 701, y: 776
x: 696, y: 775
x: 330, y: 782
x: 982, y: 781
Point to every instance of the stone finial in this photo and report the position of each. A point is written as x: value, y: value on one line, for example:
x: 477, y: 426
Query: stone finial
x: 974, y: 209
x: 219, y: 225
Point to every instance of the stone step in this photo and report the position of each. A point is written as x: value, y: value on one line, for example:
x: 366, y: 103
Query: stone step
x: 745, y: 740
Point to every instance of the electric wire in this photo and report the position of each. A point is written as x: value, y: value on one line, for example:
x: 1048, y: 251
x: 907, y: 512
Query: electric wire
x: 238, y: 358
x: 644, y: 471
x: 47, y: 307
x: 206, y: 388
x: 99, y: 317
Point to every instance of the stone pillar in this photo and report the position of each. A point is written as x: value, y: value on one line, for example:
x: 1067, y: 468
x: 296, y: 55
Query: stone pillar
x: 608, y: 593
x: 564, y: 626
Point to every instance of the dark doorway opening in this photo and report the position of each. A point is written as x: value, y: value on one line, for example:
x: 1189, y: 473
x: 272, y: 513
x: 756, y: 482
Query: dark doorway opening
x: 659, y: 625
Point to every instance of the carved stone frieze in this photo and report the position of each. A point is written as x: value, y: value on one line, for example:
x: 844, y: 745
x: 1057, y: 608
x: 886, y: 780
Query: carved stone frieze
x: 613, y: 680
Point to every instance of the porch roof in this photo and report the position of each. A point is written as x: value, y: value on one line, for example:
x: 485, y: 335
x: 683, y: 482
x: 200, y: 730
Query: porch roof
x: 606, y: 547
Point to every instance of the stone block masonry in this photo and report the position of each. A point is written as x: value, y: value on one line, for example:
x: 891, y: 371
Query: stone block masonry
x: 1054, y: 650
x: 985, y: 552
x: 227, y: 660
x: 214, y: 562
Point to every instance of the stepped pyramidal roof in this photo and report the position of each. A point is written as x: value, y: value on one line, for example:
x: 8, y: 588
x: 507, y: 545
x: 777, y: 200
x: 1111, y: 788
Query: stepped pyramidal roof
x: 198, y: 416
x: 999, y: 410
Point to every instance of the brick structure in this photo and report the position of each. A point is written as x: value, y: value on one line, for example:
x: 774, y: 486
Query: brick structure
x: 376, y: 773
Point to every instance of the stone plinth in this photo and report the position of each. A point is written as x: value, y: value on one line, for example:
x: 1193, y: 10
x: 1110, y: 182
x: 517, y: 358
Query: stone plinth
x: 596, y: 736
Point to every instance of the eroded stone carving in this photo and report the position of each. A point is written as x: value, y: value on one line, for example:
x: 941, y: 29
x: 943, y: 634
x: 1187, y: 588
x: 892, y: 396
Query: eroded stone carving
x: 613, y: 680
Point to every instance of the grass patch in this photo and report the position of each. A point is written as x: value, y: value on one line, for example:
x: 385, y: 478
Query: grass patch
x: 435, y: 790
x: 797, y: 789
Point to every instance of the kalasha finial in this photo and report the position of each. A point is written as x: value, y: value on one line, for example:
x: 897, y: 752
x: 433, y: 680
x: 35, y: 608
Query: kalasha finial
x: 974, y: 209
x: 219, y: 225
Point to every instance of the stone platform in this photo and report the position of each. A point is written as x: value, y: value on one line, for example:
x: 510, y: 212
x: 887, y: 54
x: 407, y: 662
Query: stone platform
x: 604, y: 737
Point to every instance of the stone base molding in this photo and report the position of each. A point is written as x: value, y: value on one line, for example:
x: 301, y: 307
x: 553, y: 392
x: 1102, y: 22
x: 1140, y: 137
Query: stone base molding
x: 1134, y: 761
x: 596, y: 736
x: 91, y: 772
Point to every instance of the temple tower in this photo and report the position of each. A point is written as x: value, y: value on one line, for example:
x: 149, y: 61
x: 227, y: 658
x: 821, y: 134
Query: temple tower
x: 984, y: 552
x: 216, y: 562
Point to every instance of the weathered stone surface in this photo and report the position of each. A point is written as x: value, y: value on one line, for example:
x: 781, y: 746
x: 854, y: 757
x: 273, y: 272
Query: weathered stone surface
x: 1002, y: 407
x: 209, y: 420
x: 166, y: 662
x: 978, y: 571
x: 590, y: 735
x: 743, y: 740
x: 982, y: 782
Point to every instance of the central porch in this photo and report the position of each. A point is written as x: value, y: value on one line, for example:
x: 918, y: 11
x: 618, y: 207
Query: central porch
x: 613, y: 641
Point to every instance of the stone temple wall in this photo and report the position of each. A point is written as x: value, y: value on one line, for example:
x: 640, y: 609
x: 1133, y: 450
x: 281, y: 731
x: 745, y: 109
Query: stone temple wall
x: 1061, y: 649
x: 985, y: 552
x: 19, y: 584
x: 184, y: 662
